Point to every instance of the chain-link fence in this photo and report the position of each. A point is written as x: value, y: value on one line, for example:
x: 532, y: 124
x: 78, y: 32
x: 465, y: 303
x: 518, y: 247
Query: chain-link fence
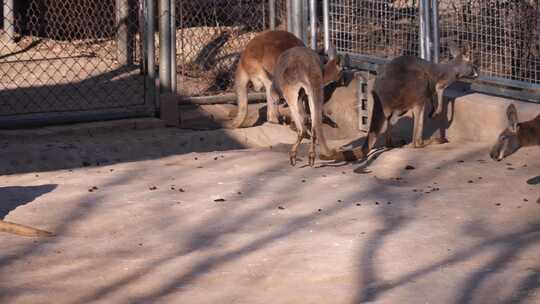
x: 211, y: 34
x: 380, y: 28
x: 504, y: 35
x: 66, y: 56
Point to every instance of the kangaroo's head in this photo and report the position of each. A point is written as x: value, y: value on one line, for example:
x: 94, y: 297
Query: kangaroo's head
x: 333, y: 68
x: 461, y: 59
x: 508, y: 141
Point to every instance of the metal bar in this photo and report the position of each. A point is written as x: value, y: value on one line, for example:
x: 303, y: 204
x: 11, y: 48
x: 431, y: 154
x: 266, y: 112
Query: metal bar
x: 141, y: 13
x: 422, y: 33
x: 326, y: 25
x: 55, y: 118
x: 428, y: 44
x: 150, y: 52
x: 173, y: 46
x: 272, y: 13
x: 297, y: 18
x: 9, y: 21
x: 165, y: 46
x: 435, y: 30
x: 289, y: 15
x: 229, y: 98
x: 305, y: 22
x: 313, y: 23
x: 124, y: 49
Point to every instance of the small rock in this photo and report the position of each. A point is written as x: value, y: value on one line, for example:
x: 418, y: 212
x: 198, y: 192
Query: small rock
x: 508, y: 164
x: 216, y: 158
x: 199, y: 167
x: 219, y: 200
x: 525, y: 200
x: 376, y: 203
x: 460, y: 161
x: 358, y: 204
x: 111, y: 170
x: 303, y: 181
x: 153, y: 188
x: 140, y: 244
x: 479, y: 177
x: 470, y: 181
x: 319, y: 210
x: 510, y: 168
x: 538, y: 201
x: 196, y: 158
x: 343, y: 172
x: 409, y: 167
x: 239, y: 193
x: 281, y: 208
x: 497, y: 204
x: 339, y: 201
x: 94, y: 187
x: 181, y: 190
x: 389, y: 203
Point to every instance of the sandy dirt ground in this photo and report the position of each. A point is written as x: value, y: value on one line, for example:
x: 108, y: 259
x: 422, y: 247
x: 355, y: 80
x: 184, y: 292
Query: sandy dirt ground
x: 141, y: 218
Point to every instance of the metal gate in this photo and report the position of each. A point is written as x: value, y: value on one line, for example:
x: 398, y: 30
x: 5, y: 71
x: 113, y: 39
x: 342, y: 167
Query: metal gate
x: 504, y: 36
x: 67, y: 61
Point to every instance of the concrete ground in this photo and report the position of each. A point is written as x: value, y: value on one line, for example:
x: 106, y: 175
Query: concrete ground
x: 140, y: 218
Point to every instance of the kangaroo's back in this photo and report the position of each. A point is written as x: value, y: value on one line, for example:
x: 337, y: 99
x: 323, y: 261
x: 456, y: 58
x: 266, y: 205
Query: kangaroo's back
x: 298, y: 66
x: 264, y: 50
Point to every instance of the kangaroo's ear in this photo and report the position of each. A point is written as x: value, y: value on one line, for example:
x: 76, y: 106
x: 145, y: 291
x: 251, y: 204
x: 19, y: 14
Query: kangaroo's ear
x: 467, y: 52
x: 454, y: 49
x: 512, y: 115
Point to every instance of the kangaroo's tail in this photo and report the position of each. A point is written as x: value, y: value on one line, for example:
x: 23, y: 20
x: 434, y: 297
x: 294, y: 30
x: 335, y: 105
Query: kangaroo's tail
x: 22, y: 230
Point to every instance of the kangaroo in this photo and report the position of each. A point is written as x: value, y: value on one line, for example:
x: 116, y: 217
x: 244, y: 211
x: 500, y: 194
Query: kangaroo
x: 22, y: 230
x: 516, y: 135
x: 301, y: 68
x: 409, y: 83
x: 259, y: 57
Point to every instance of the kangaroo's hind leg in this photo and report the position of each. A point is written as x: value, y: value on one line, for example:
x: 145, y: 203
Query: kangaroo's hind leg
x: 418, y: 116
x: 298, y: 116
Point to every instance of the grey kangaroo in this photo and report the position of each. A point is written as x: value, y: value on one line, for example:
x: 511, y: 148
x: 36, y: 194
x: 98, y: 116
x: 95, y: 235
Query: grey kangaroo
x: 409, y: 83
x: 516, y: 135
x: 301, y: 68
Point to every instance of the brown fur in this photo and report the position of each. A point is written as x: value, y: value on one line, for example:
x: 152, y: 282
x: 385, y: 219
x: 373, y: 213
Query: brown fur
x: 408, y: 83
x: 301, y: 68
x: 22, y: 230
x: 516, y: 135
x: 260, y: 56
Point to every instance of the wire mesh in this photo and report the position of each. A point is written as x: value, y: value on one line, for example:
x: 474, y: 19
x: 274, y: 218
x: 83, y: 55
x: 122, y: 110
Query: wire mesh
x: 380, y: 28
x: 58, y: 56
x: 210, y: 35
x: 504, y: 35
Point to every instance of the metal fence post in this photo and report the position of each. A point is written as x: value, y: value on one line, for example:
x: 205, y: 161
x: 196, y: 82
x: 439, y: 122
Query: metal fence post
x: 435, y: 29
x: 313, y: 23
x: 272, y: 14
x: 9, y: 21
x: 424, y: 36
x: 165, y: 46
x: 289, y: 15
x: 297, y: 19
x: 124, y: 50
x: 326, y: 25
x: 173, y: 46
x: 150, y: 50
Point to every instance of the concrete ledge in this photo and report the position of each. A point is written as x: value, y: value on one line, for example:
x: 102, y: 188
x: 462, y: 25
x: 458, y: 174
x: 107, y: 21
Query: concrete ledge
x: 480, y: 117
